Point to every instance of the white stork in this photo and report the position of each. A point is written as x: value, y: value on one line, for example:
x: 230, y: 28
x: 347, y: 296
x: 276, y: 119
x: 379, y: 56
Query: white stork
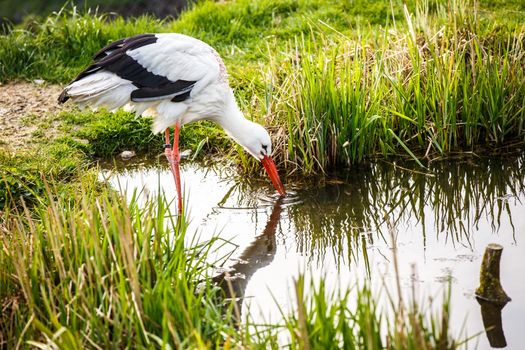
x: 176, y: 79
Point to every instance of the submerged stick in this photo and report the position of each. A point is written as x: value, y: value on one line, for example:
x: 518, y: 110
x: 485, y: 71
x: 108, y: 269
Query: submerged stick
x: 490, y: 288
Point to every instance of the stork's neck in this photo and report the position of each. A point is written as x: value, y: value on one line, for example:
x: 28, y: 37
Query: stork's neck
x: 234, y: 122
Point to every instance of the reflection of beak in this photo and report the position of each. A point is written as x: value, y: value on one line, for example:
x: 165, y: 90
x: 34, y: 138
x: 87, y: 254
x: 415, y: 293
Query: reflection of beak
x: 269, y: 165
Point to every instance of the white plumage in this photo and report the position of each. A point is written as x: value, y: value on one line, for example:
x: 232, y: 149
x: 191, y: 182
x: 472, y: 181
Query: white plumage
x: 102, y: 89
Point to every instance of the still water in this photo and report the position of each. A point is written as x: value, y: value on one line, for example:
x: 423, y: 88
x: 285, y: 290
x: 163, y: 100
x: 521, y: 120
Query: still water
x: 337, y: 227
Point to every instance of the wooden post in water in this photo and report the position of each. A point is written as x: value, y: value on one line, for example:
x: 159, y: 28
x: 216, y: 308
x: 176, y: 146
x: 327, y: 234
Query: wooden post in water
x: 490, y: 288
x: 491, y: 296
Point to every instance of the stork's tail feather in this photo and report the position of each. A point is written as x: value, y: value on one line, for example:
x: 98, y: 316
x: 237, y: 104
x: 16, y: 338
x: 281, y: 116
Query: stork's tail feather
x: 63, y: 96
x: 106, y: 89
x: 101, y: 89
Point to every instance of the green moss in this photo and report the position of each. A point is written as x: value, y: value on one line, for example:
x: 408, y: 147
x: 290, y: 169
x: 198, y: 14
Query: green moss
x: 105, y: 134
x: 490, y: 288
x: 111, y: 133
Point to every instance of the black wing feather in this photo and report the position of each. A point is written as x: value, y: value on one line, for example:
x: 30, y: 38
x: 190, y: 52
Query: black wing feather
x: 180, y: 90
x: 113, y: 58
x: 132, y: 42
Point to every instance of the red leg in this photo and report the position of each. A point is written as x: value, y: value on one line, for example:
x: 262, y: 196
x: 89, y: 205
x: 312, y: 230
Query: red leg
x: 176, y: 158
x: 173, y: 156
x: 176, y: 154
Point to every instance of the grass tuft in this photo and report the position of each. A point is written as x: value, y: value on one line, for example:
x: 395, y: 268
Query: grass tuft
x: 337, y: 83
x: 434, y: 86
x: 96, y: 271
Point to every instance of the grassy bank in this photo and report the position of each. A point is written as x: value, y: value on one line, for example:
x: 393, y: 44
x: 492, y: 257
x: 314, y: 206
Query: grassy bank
x: 336, y: 84
x: 83, y: 138
x: 444, y: 83
x: 92, y: 270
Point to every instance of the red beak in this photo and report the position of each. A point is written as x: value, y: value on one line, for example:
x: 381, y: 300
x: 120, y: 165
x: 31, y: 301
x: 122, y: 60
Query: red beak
x: 269, y: 165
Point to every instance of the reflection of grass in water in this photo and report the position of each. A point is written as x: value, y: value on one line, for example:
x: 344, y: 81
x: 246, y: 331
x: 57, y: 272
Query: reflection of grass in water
x: 464, y: 193
x: 349, y: 217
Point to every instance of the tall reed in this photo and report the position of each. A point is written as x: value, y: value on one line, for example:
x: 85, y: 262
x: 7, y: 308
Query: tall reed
x: 326, y: 320
x: 441, y: 82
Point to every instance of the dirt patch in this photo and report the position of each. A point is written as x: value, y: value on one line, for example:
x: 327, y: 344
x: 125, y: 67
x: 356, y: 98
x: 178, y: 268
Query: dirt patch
x: 24, y: 109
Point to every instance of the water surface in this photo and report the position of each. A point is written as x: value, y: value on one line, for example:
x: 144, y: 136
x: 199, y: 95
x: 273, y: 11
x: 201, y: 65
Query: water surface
x: 338, y: 228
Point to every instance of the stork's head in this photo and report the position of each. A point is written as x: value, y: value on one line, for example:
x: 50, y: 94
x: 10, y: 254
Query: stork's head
x: 258, y: 143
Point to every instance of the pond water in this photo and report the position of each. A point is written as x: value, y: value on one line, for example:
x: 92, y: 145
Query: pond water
x: 443, y: 218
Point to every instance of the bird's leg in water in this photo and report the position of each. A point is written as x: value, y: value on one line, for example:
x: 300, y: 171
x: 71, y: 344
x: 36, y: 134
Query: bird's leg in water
x: 173, y: 156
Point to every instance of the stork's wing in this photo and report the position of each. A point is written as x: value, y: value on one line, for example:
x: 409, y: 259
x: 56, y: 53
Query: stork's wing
x: 159, y: 66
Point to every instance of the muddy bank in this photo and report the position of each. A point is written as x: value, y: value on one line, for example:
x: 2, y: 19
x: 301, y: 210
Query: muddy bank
x: 24, y: 107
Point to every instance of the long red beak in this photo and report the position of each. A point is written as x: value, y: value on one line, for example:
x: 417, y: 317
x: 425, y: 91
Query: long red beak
x: 269, y: 165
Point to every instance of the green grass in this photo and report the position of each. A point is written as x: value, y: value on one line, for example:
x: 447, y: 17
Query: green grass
x: 337, y: 84
x: 99, y: 271
x: 325, y: 320
x: 57, y: 48
x: 431, y: 88
x: 91, y: 269
x: 103, y: 134
x: 21, y: 173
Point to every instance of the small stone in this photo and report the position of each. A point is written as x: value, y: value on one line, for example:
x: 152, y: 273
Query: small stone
x: 185, y: 153
x: 39, y: 81
x: 125, y: 155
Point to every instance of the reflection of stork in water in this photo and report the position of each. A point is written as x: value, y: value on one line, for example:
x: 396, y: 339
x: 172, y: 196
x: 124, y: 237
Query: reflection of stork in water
x: 258, y: 254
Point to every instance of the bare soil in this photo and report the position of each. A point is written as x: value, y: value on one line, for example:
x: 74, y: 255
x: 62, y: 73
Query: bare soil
x: 24, y: 108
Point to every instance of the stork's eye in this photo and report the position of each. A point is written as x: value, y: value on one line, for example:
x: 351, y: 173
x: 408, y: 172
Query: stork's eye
x: 265, y: 152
